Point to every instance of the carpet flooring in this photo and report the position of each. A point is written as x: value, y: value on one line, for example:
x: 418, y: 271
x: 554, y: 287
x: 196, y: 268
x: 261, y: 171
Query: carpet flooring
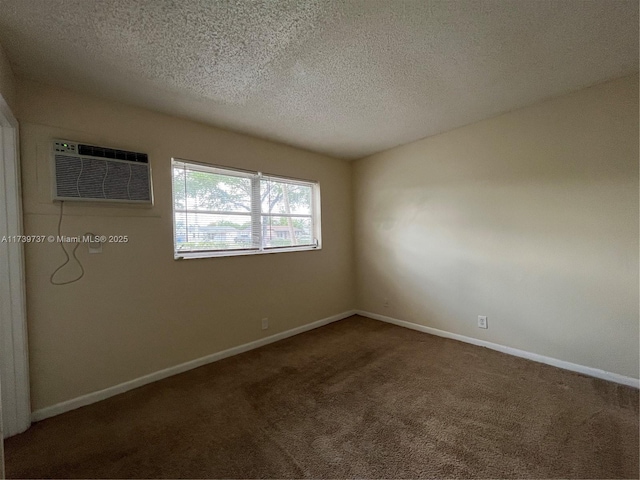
x: 356, y: 398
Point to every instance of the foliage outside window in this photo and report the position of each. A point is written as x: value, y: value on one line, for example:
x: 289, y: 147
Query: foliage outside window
x: 219, y: 211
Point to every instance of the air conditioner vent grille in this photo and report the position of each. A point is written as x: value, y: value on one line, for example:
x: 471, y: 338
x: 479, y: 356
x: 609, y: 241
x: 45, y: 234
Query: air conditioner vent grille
x: 82, y: 177
x: 139, y: 183
x: 67, y: 174
x: 116, y: 184
x: 102, y: 152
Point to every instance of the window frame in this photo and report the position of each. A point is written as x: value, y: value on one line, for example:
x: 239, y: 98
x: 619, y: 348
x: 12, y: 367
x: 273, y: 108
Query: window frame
x: 255, y: 214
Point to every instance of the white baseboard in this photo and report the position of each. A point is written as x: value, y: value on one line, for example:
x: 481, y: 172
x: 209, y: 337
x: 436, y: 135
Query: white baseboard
x: 574, y: 367
x: 93, y: 397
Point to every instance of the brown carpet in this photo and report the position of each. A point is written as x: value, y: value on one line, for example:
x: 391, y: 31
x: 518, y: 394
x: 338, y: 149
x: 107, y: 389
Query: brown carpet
x: 357, y: 398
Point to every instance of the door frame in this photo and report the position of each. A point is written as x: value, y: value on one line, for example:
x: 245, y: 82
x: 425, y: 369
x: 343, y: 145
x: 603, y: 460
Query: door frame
x: 14, y: 357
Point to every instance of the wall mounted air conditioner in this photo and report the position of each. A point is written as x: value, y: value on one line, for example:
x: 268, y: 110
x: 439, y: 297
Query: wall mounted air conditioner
x: 99, y: 174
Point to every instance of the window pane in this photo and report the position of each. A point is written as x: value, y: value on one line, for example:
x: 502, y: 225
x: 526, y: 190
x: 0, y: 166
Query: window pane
x: 212, y: 191
x: 282, y: 197
x: 204, y: 231
x: 286, y: 231
x: 219, y: 210
x: 179, y: 195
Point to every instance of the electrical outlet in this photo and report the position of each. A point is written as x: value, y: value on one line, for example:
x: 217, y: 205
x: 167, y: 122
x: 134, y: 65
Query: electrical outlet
x: 265, y: 323
x: 95, y: 246
x: 385, y: 303
x: 482, y: 321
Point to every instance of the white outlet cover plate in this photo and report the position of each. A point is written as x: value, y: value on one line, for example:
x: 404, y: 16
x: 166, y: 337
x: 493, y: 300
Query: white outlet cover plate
x: 97, y: 248
x: 482, y: 321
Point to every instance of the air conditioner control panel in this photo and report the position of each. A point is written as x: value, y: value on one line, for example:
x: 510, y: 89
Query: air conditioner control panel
x: 65, y: 147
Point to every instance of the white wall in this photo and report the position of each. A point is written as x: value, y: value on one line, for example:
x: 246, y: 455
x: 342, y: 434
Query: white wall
x: 530, y: 218
x: 137, y: 310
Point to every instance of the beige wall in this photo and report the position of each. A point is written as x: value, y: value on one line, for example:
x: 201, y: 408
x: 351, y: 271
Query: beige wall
x: 530, y: 218
x: 7, y: 80
x: 137, y: 310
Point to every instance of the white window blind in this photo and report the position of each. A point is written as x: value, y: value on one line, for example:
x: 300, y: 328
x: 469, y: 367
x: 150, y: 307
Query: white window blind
x: 222, y: 211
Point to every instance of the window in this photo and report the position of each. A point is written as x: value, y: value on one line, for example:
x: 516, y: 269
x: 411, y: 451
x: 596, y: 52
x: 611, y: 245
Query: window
x: 219, y: 211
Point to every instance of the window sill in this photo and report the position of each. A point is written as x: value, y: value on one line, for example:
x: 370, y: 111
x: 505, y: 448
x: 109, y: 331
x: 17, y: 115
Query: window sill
x: 240, y: 253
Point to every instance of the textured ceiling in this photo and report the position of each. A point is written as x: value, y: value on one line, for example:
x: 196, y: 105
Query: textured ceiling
x: 346, y: 78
